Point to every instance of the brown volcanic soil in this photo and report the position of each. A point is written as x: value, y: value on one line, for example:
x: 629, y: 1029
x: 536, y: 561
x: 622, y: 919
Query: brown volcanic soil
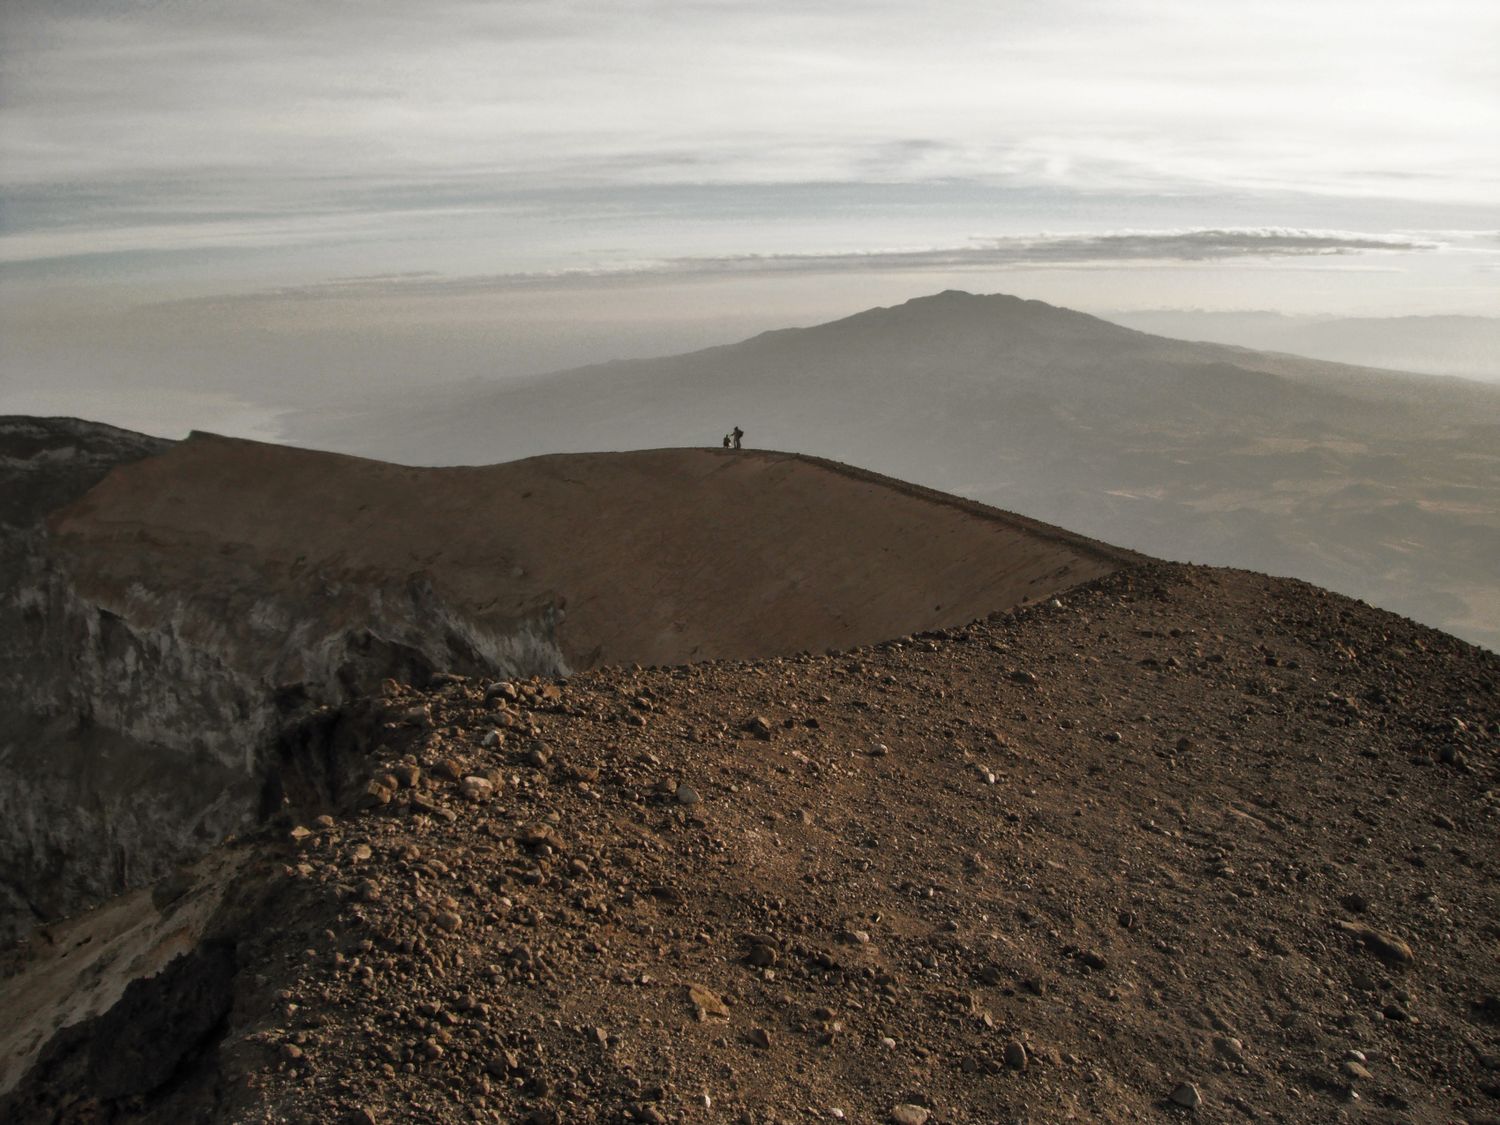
x: 1184, y: 826
x: 684, y: 554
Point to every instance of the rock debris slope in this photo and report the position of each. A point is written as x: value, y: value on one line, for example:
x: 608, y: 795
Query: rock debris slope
x: 1183, y: 843
x: 180, y: 630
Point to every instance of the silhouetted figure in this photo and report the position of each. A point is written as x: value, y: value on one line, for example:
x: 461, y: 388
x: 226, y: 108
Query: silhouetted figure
x: 737, y: 434
x: 726, y: 441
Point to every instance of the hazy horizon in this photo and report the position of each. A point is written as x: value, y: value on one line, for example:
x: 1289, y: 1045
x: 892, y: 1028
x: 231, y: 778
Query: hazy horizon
x: 214, y: 214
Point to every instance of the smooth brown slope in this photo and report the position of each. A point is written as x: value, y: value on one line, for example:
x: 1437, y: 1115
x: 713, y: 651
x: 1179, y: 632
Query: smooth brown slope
x: 652, y: 557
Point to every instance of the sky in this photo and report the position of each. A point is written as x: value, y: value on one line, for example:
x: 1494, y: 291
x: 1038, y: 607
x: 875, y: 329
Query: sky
x: 212, y: 213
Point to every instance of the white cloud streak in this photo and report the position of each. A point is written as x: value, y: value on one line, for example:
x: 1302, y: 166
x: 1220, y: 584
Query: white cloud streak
x: 1123, y: 248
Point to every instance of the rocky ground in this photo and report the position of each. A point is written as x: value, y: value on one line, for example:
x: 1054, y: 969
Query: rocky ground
x: 169, y: 610
x: 1184, y: 844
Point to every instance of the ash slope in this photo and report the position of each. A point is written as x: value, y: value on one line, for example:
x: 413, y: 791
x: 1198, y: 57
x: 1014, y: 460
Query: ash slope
x: 1182, y: 827
x: 176, y: 632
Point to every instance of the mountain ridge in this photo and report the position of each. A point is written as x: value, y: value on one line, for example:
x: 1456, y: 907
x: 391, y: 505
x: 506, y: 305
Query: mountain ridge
x: 168, y: 635
x: 1180, y: 450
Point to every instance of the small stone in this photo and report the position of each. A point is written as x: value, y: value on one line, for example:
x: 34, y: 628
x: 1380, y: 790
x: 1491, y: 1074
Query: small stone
x: 1187, y: 1096
x: 375, y: 795
x: 1015, y: 1055
x: 760, y: 727
x: 1355, y: 1070
x: 448, y: 770
x: 1389, y: 948
x: 687, y: 795
x: 908, y: 1114
x: 368, y: 891
x: 762, y: 955
x: 761, y: 1038
x: 707, y: 1002
x: 407, y: 774
x: 478, y: 788
x: 1229, y: 1047
x: 538, y: 836
x: 447, y: 920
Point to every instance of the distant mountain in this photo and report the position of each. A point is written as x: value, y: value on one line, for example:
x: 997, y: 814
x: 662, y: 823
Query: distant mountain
x: 1374, y: 483
x: 1467, y: 346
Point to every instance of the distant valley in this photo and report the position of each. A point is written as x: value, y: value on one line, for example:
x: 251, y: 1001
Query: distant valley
x: 1466, y: 346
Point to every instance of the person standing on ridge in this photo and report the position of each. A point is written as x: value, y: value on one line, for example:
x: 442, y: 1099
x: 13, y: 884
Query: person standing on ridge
x: 737, y: 434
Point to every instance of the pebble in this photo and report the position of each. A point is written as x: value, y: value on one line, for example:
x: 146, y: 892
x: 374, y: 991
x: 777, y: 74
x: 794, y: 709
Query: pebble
x: 707, y: 1002
x: 447, y: 920
x: 1229, y: 1047
x: 761, y: 1038
x: 1389, y: 948
x: 687, y: 795
x: 375, y: 795
x: 908, y: 1114
x: 478, y: 788
x: 1015, y: 1055
x: 1187, y: 1096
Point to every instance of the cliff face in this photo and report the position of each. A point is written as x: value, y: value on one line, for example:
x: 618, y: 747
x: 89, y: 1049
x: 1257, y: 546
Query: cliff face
x: 179, y: 619
x: 146, y: 689
x: 46, y: 463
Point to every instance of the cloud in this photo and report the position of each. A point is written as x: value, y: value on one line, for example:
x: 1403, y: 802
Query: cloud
x: 1123, y: 248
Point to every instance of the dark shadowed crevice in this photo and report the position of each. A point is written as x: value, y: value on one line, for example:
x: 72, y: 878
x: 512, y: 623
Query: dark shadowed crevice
x: 153, y: 1040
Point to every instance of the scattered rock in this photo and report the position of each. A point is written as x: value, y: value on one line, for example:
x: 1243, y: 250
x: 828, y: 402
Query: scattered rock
x: 1014, y: 1054
x: 1389, y: 948
x: 706, y: 1002
x: 374, y: 795
x: 1187, y: 1096
x: 477, y: 789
